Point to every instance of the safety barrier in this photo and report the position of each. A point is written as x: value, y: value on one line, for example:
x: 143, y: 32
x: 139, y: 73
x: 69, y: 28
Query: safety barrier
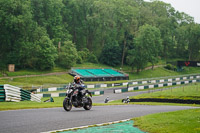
x: 64, y: 94
x: 155, y: 86
x: 176, y: 78
x: 2, y: 93
x: 51, y: 89
x: 16, y: 94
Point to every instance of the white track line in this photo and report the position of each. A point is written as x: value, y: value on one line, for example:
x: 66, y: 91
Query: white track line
x: 81, y: 127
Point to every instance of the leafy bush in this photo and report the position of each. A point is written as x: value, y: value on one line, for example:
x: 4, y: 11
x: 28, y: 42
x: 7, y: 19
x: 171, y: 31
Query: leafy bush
x: 92, y: 58
x: 86, y: 56
x: 171, y: 67
x: 79, y: 60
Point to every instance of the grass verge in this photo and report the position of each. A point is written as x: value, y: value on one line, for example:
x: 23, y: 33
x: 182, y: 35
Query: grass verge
x: 28, y: 82
x: 185, y: 121
x: 31, y: 104
x: 33, y: 72
x: 190, y: 91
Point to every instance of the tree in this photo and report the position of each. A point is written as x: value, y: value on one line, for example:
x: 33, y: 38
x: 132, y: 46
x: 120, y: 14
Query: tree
x: 40, y: 53
x: 193, y: 41
x: 151, y: 37
x: 126, y: 23
x: 111, y: 54
x: 165, y: 19
x: 16, y: 26
x: 48, y: 14
x: 46, y: 54
x: 68, y: 55
x: 188, y: 41
x: 147, y: 47
x: 131, y: 59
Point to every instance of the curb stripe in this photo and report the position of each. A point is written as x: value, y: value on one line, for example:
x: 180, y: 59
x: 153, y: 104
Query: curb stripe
x: 81, y: 127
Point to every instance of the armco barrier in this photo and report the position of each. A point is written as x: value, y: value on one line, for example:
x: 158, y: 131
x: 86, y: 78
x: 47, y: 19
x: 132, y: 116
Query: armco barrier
x: 64, y: 94
x: 16, y: 94
x: 170, y: 79
x: 51, y: 89
x: 155, y: 86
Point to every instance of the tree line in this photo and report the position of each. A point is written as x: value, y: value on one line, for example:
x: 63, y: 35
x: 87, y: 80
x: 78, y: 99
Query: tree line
x: 40, y: 34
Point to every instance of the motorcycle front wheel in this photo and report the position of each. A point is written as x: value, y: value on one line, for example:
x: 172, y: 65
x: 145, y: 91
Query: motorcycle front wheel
x: 67, y: 105
x: 88, y: 105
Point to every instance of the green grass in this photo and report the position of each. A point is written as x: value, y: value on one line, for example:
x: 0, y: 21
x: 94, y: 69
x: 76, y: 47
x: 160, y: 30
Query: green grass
x: 191, y: 91
x: 31, y: 104
x: 27, y: 82
x: 185, y: 121
x: 34, y: 72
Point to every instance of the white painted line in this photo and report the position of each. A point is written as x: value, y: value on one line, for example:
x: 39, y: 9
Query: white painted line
x: 81, y: 127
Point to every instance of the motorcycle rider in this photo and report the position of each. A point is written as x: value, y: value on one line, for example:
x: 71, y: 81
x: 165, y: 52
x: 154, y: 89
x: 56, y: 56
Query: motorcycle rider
x: 78, y: 83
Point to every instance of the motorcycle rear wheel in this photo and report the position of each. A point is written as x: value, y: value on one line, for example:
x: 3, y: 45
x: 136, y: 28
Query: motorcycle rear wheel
x: 88, y: 105
x: 67, y: 105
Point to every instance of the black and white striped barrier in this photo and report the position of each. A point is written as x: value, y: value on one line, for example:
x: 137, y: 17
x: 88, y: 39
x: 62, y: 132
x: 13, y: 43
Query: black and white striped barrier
x: 155, y: 86
x: 16, y: 94
x: 51, y: 89
x: 64, y: 94
x: 195, y: 76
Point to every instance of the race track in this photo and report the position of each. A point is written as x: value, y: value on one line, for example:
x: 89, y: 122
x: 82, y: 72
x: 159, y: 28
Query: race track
x: 42, y: 120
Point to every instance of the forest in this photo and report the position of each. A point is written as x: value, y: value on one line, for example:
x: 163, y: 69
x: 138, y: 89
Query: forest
x: 41, y: 34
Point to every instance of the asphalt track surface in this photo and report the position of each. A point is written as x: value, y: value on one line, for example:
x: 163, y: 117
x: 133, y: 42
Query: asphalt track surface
x: 48, y: 119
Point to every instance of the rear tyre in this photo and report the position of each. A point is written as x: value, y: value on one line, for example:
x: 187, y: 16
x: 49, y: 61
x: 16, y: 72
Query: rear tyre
x: 67, y: 105
x: 88, y: 105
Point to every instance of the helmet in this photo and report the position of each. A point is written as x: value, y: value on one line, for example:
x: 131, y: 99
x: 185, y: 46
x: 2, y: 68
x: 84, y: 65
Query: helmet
x: 76, y: 79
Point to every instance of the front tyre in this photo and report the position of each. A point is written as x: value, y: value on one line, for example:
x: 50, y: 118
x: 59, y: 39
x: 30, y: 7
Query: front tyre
x: 67, y: 105
x: 88, y: 105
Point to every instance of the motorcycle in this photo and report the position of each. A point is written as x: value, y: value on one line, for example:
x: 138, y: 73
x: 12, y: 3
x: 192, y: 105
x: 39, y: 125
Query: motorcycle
x: 77, y: 98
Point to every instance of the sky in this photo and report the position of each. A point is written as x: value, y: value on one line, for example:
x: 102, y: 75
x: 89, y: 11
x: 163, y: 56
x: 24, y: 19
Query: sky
x: 190, y: 7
